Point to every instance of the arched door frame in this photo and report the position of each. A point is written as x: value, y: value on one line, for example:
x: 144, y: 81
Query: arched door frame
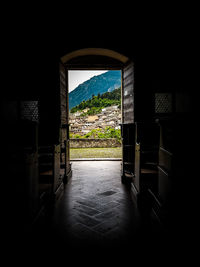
x: 94, y: 52
x: 105, y: 59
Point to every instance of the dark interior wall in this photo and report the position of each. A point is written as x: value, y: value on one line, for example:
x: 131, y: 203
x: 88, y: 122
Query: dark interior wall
x: 39, y: 79
x: 157, y: 53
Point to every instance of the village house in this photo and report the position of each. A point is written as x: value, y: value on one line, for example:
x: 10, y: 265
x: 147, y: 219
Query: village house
x: 92, y: 118
x: 109, y: 116
x: 85, y: 110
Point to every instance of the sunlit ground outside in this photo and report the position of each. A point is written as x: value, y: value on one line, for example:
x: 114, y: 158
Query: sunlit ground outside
x: 110, y: 152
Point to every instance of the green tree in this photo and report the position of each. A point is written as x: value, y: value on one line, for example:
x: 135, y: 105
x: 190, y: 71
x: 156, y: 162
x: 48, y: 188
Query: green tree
x: 101, y: 100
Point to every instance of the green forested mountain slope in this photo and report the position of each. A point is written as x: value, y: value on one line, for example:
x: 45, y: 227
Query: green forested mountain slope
x: 96, y: 103
x: 99, y: 84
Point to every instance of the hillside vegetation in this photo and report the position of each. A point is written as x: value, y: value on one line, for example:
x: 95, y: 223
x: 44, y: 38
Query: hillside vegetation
x: 108, y: 132
x: 97, y: 103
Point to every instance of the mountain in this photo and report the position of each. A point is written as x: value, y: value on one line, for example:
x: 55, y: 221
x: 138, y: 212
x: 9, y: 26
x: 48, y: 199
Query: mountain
x: 97, y: 103
x: 99, y: 84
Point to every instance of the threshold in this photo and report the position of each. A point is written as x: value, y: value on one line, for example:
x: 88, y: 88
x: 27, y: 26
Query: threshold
x: 96, y: 159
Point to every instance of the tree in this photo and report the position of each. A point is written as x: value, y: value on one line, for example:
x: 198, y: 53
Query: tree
x: 100, y: 101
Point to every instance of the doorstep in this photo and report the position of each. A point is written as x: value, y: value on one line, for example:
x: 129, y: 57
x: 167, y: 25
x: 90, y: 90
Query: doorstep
x: 96, y: 159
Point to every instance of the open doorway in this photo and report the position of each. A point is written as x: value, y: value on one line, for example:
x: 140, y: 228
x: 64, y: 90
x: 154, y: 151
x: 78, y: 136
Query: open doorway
x: 95, y: 114
x: 106, y: 60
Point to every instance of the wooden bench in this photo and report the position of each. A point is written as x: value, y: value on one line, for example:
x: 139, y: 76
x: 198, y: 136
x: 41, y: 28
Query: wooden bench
x: 146, y: 161
x: 49, y: 172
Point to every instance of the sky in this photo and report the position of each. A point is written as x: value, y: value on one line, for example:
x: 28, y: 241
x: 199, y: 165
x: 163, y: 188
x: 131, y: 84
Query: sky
x: 76, y: 77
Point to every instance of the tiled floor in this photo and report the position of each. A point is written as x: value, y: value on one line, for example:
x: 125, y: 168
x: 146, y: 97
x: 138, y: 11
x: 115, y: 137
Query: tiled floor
x: 95, y: 222
x: 95, y: 214
x: 96, y: 207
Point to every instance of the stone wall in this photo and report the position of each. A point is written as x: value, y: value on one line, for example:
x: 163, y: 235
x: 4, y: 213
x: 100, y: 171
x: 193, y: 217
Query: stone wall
x: 89, y: 142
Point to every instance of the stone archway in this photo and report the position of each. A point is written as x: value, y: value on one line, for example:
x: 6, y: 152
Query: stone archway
x: 94, y: 52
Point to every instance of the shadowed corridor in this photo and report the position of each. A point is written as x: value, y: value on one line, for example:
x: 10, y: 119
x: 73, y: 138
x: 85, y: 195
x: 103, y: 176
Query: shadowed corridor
x: 95, y: 207
x: 95, y: 213
x: 95, y: 217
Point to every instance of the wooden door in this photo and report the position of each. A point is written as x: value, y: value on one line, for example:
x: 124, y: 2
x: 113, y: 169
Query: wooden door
x: 64, y: 122
x: 128, y: 129
x: 128, y: 94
